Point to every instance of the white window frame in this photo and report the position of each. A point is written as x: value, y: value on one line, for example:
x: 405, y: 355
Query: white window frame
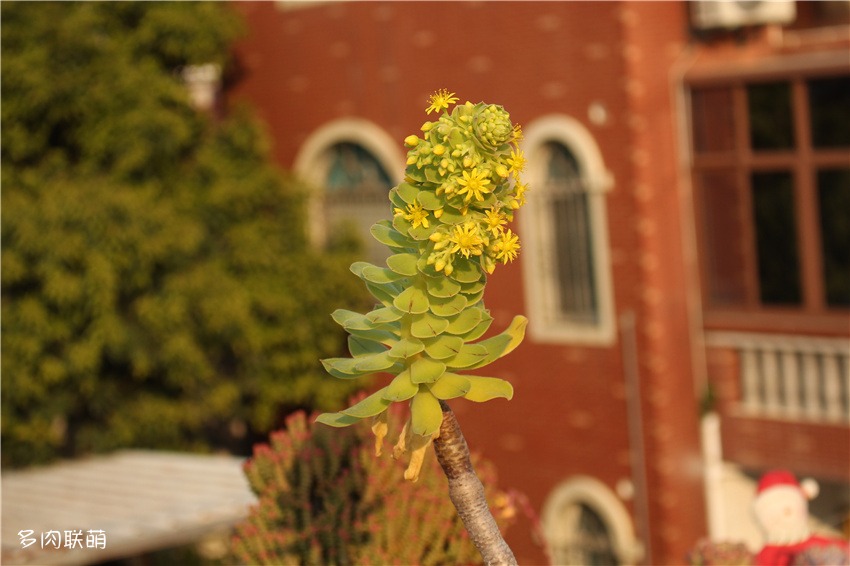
x: 558, y: 524
x: 312, y: 162
x: 539, y: 269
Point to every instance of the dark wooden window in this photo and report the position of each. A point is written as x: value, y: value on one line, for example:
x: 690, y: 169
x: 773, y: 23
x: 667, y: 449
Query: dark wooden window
x: 771, y: 176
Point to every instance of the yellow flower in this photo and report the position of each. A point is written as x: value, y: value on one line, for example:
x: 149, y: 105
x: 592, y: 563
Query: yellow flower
x: 506, y: 246
x: 494, y: 220
x: 414, y: 214
x: 474, y: 184
x: 440, y: 99
x: 466, y: 239
x: 519, y: 193
x: 517, y: 133
x: 516, y: 161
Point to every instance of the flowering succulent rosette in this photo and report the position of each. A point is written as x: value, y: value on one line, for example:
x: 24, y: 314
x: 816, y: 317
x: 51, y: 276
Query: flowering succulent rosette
x: 448, y: 232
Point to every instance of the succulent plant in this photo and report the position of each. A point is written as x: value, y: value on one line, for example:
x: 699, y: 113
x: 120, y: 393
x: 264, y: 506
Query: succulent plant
x: 448, y: 233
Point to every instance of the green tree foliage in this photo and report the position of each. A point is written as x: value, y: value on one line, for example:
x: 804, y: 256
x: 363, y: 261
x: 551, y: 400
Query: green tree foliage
x: 325, y: 498
x: 157, y: 283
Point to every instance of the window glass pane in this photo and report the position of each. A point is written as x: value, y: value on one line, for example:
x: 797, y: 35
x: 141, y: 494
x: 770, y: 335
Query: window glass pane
x: 714, y: 128
x: 724, y: 237
x: 771, y: 121
x: 776, y: 238
x: 353, y: 168
x: 829, y: 105
x: 587, y: 540
x: 573, y: 237
x: 834, y: 200
x: 357, y: 196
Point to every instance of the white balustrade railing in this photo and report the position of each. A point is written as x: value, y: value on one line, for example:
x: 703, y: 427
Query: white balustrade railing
x: 791, y: 377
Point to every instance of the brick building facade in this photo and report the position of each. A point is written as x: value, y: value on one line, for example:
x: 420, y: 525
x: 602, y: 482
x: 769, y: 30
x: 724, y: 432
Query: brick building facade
x: 644, y: 292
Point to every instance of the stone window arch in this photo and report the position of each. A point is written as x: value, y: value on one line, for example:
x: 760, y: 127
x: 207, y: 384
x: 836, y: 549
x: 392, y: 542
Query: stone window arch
x: 566, y: 263
x: 351, y: 164
x: 585, y: 523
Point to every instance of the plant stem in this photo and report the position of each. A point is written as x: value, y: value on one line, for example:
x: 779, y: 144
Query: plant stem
x: 467, y: 493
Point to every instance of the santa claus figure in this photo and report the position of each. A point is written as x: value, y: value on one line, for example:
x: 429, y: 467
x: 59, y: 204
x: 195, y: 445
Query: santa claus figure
x: 782, y: 512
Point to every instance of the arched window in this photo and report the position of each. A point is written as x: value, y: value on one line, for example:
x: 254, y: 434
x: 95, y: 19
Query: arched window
x: 352, y: 164
x: 584, y: 523
x: 564, y: 229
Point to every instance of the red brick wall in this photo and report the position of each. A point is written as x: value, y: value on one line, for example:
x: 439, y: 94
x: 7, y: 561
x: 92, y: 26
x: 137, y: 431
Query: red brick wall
x: 305, y: 67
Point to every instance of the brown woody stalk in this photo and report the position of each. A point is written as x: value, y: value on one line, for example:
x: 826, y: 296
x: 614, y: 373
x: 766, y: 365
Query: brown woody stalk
x: 467, y: 493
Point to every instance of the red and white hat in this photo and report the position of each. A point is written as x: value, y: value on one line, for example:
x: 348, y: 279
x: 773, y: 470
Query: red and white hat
x: 808, y: 486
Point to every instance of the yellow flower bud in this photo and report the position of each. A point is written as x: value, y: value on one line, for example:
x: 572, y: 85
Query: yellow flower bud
x: 411, y: 140
x: 411, y: 159
x: 427, y: 126
x: 501, y: 171
x: 379, y: 428
x: 439, y: 149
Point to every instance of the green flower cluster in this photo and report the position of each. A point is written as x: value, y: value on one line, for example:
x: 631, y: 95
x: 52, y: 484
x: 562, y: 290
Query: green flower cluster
x: 462, y: 187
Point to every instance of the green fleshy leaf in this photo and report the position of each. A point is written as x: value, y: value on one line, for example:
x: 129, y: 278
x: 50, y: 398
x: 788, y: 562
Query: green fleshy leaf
x: 504, y: 343
x: 412, y: 300
x: 403, y: 264
x: 474, y: 287
x: 424, y: 370
x: 426, y: 416
x: 452, y: 216
x: 372, y: 405
x: 400, y: 224
x: 396, y: 199
x: 407, y: 192
x: 449, y: 386
x: 385, y: 234
x: 352, y: 320
x: 474, y: 298
x: 431, y: 175
x: 466, y: 271
x: 429, y: 200
x: 384, y: 315
x: 443, y: 347
x: 465, y: 321
x: 384, y: 337
x: 359, y: 346
x: 380, y: 275
x: 414, y: 173
x: 358, y: 266
x: 442, y: 287
x: 406, y: 348
x: 341, y: 316
x: 426, y: 325
x: 343, y: 368
x: 401, y: 388
x: 421, y: 233
x: 447, y: 307
x: 336, y: 419
x: 468, y: 356
x: 486, y: 388
x: 375, y: 362
x: 479, y: 330
x: 386, y: 294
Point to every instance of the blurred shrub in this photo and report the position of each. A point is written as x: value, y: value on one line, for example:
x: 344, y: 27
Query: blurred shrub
x: 325, y: 498
x: 158, y: 288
